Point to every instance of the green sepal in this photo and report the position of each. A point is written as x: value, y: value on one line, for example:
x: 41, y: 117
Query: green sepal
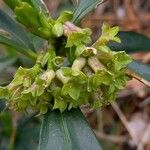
x: 4, y: 92
x: 121, y: 59
x: 75, y: 86
x: 101, y: 77
x: 43, y: 109
x: 60, y: 104
x: 72, y: 90
x: 80, y: 37
x: 79, y: 50
x: 36, y: 90
x: 26, y: 76
x: 108, y: 34
x: 120, y: 80
x: 67, y: 71
x: 45, y: 59
x: 22, y: 105
x: 59, y: 101
x: 114, y: 61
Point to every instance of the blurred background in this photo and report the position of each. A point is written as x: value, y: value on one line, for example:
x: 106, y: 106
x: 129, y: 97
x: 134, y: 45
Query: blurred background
x: 124, y: 125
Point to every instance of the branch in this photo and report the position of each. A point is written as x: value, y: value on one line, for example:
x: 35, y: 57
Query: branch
x: 111, y: 138
x: 124, y: 121
x: 144, y: 138
x: 133, y: 75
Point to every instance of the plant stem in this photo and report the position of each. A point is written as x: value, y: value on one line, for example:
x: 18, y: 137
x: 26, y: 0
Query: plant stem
x: 31, y: 55
x: 95, y: 64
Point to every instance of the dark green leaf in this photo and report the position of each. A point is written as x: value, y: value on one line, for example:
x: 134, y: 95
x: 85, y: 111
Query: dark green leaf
x: 12, y: 3
x: 5, y: 123
x: 6, y: 62
x: 17, y: 45
x: 67, y: 131
x: 83, y: 8
x: 16, y: 31
x: 37, y: 41
x: 2, y: 105
x: 141, y: 69
x: 40, y: 5
x: 28, y: 133
x: 131, y: 42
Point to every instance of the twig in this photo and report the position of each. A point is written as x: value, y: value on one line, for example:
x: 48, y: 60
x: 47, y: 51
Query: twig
x: 145, y: 102
x: 143, y: 139
x: 99, y: 119
x: 133, y: 75
x: 124, y: 121
x: 111, y: 138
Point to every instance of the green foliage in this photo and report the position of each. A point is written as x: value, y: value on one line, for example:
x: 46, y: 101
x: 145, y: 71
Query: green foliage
x: 141, y: 69
x: 69, y: 130
x: 14, y: 35
x: 6, y: 62
x: 39, y: 22
x: 84, y: 7
x: 6, y: 123
x: 22, y: 13
x: 131, y: 42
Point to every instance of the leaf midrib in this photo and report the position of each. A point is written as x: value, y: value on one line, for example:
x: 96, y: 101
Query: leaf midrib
x: 67, y: 138
x: 82, y: 11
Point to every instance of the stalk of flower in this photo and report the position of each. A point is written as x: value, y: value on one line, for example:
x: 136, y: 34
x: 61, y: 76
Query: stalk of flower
x: 87, y: 70
x: 77, y: 65
x: 60, y: 76
x: 95, y: 64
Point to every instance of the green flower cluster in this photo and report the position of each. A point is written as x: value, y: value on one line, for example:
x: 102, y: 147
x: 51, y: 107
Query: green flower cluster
x: 38, y: 21
x: 94, y: 76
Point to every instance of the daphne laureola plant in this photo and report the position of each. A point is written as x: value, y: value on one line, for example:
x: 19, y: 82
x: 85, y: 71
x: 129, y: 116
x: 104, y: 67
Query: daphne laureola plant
x: 88, y: 74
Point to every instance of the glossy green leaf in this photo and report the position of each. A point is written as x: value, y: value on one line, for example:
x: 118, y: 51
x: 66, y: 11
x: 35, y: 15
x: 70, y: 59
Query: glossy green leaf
x: 12, y: 3
x: 141, y: 69
x: 15, y: 30
x: 28, y: 133
x: 2, y: 105
x: 40, y: 5
x: 6, y: 62
x: 67, y: 131
x: 17, y: 45
x: 131, y: 42
x: 83, y: 8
